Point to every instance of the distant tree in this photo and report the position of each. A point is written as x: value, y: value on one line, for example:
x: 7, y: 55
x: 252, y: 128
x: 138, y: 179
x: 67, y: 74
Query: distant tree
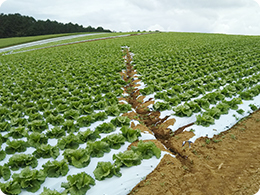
x: 16, y: 25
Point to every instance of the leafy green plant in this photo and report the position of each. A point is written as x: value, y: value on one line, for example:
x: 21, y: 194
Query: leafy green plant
x: 161, y: 95
x: 70, y: 141
x: 229, y: 91
x: 121, y: 121
x: 78, y: 158
x: 22, y: 160
x: 36, y: 139
x: 246, y: 95
x: 97, y: 148
x: 16, y: 122
x: 253, y: 107
x: 177, y: 88
x: 55, y: 132
x: 203, y: 103
x: 112, y: 101
x: 124, y: 107
x: 56, y: 168
x: 112, y: 110
x: 195, y: 108
x: 37, y: 126
x: 200, y: 90
x: 174, y: 101
x: 147, y: 90
x: 130, y: 134
x: 76, y: 105
x: 44, y: 106
x: 84, y: 121
x: 71, y: 114
x: 204, y: 120
x: 171, y: 92
x: 5, y: 172
x: 18, y: 132
x: 214, y: 112
x: 49, y: 112
x: 62, y: 108
x: 105, y: 128
x: 5, y: 126
x: 193, y: 93
x: 101, y: 105
x: 240, y: 111
x: 161, y: 106
x: 97, y: 98
x: 55, y: 120
x: 127, y: 158
x: 69, y: 126
x: 86, y: 109
x: 114, y: 140
x: 5, y: 112
x: 223, y: 107
x: 78, y: 184
x: 35, y: 116
x: 15, y: 146
x: 16, y: 114
x: 211, y: 97
x: 234, y: 103
x: 147, y: 149
x: 47, y: 191
x: 30, y: 111
x: 86, y: 100
x: 46, y: 151
x: 30, y: 180
x: 2, y: 155
x: 88, y: 135
x: 11, y: 187
x: 106, y: 170
x: 185, y: 96
x: 100, y: 116
x: 182, y: 110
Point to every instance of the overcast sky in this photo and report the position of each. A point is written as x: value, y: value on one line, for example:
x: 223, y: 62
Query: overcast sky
x: 212, y: 16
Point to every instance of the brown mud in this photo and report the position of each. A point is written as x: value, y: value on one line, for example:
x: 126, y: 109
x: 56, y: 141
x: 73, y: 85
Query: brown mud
x: 225, y: 164
x: 228, y: 163
x: 150, y: 120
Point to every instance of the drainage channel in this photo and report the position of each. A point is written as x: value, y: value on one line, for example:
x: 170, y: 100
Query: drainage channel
x: 148, y: 118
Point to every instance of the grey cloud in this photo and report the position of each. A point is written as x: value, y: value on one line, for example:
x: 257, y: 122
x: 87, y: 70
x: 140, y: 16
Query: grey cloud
x: 232, y: 16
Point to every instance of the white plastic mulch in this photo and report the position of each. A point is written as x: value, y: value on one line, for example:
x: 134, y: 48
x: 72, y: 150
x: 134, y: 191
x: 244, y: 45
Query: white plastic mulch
x: 41, y: 42
x: 133, y: 175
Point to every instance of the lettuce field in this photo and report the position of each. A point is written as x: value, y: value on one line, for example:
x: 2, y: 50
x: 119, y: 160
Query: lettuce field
x: 80, y: 119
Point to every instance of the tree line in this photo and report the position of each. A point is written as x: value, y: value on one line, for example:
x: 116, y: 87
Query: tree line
x: 16, y: 25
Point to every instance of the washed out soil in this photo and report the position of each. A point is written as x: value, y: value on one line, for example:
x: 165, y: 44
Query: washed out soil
x: 225, y: 164
x: 228, y: 163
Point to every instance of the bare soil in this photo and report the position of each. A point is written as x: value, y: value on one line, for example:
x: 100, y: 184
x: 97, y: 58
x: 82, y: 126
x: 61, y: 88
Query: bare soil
x: 228, y: 163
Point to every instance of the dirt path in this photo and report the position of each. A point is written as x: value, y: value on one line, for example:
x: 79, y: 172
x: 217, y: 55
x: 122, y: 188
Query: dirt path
x: 228, y: 163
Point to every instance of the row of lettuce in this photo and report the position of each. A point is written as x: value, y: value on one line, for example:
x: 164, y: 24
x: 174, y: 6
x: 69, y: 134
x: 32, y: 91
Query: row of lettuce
x: 31, y: 179
x: 54, y: 94
x: 198, y: 73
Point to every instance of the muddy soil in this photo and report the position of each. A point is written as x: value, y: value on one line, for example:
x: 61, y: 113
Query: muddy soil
x: 228, y: 163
